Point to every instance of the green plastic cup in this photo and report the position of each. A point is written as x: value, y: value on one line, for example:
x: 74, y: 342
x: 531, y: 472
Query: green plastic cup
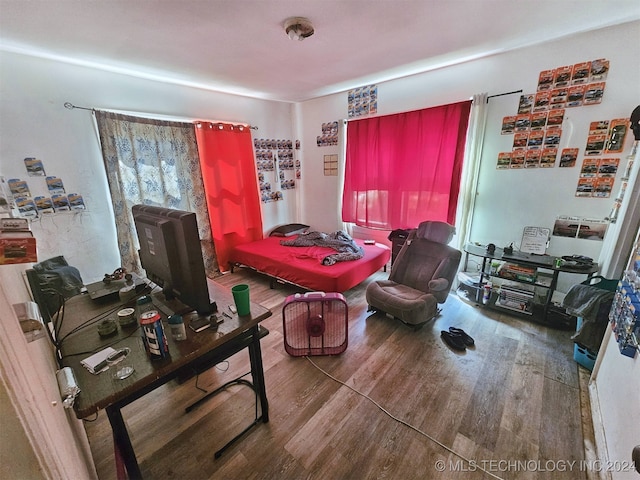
x: 241, y: 297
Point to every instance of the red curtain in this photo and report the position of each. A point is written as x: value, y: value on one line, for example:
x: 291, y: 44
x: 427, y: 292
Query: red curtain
x: 404, y: 169
x: 231, y: 186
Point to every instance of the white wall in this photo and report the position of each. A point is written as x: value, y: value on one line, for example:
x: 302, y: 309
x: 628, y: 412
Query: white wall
x: 507, y: 200
x: 36, y: 124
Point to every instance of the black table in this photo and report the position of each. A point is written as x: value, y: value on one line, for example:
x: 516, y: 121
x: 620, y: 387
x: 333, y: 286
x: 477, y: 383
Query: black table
x: 197, y: 353
x: 545, y: 262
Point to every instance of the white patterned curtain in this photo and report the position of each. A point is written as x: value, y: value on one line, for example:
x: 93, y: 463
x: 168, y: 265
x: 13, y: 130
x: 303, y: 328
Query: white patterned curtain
x: 152, y: 162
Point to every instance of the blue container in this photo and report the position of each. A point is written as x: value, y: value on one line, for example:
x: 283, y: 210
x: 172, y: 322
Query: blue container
x: 581, y: 354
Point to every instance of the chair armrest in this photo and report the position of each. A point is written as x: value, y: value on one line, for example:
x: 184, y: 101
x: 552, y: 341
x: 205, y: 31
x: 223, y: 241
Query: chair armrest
x: 438, y: 284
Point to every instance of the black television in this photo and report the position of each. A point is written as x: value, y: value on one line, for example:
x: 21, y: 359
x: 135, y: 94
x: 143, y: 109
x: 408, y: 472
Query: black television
x: 171, y: 255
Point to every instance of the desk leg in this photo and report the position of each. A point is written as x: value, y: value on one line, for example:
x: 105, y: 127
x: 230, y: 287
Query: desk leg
x: 257, y: 372
x: 123, y: 442
x: 552, y: 288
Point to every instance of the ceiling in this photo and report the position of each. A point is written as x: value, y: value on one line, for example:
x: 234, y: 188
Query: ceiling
x: 239, y: 46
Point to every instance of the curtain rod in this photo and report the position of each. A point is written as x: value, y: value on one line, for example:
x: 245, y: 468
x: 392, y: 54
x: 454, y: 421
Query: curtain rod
x: 71, y: 106
x: 503, y: 94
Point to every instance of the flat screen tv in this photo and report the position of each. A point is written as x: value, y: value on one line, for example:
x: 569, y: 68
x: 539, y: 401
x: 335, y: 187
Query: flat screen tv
x: 171, y: 255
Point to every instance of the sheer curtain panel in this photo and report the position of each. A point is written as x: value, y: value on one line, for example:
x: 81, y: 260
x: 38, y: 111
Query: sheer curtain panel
x: 405, y: 168
x: 231, y: 186
x: 153, y: 162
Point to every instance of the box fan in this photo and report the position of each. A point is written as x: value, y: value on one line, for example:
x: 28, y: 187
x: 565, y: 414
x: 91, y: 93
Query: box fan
x: 315, y: 323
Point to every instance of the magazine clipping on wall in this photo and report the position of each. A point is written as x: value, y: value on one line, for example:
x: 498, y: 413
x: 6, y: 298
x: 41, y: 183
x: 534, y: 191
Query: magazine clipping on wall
x: 557, y: 89
x: 275, y: 162
x: 580, y: 227
x: 34, y: 167
x: 362, y: 101
x: 17, y: 193
x: 6, y: 198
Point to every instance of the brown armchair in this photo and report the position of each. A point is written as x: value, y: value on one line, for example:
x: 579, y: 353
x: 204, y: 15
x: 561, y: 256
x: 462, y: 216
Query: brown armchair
x: 421, y: 276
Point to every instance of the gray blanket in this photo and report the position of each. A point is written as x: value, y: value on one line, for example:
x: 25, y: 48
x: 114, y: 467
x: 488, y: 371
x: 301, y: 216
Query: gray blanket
x: 585, y: 300
x: 342, y: 243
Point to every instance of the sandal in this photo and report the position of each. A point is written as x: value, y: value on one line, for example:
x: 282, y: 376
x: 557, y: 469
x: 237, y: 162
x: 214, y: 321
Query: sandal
x: 466, y: 339
x: 453, y: 340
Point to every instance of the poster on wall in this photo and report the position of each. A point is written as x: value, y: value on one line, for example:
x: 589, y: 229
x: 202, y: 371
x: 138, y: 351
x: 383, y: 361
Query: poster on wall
x: 593, y: 93
x: 545, y: 80
x: 34, y: 167
x: 6, y: 199
x: 580, y: 227
x: 599, y: 70
x: 504, y: 160
x: 548, y: 157
x: 19, y: 188
x: 617, y: 135
x: 76, y: 202
x: 580, y: 73
x: 508, y: 125
x: 568, y: 157
x: 525, y: 104
x: 362, y: 101
x: 575, y: 97
x: 55, y: 185
x: 44, y: 204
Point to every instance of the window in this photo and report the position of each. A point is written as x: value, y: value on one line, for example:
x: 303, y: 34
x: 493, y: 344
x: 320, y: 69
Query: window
x: 405, y: 168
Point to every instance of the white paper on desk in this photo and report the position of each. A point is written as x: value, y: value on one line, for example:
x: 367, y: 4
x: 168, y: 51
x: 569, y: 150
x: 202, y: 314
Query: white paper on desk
x: 90, y: 363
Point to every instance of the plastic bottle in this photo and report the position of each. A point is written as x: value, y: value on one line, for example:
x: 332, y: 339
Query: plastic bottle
x: 176, y: 325
x: 144, y: 304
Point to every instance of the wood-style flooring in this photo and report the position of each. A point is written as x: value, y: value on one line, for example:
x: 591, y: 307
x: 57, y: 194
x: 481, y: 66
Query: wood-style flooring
x: 515, y: 405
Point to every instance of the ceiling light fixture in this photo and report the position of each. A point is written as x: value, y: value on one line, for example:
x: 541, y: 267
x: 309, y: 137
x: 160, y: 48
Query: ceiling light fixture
x: 298, y: 28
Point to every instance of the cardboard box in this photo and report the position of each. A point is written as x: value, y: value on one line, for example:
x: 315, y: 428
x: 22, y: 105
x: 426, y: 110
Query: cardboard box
x: 17, y: 247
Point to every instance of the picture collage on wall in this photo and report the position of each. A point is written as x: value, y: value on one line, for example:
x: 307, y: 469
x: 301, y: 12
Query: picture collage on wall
x: 537, y: 125
x: 362, y: 101
x: 276, y: 162
x: 55, y: 200
x: 580, y: 227
x: 329, y: 137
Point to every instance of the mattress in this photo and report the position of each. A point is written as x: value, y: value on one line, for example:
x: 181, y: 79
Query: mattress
x: 302, y: 265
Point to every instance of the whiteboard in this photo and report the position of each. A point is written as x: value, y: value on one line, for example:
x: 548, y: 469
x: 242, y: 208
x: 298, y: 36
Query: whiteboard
x: 535, y: 240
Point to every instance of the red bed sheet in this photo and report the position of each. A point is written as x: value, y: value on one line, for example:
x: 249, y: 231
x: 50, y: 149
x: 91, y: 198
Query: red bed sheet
x: 302, y: 265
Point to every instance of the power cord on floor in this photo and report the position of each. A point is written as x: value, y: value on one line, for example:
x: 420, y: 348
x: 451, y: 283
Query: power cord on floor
x: 415, y: 429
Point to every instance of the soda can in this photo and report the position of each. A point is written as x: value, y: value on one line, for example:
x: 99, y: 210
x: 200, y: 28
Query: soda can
x: 155, y: 341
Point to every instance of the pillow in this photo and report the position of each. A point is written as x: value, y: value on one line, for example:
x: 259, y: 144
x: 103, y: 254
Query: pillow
x: 289, y: 230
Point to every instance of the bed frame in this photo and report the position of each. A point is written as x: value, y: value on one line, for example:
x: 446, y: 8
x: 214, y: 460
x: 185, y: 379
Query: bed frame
x: 302, y: 267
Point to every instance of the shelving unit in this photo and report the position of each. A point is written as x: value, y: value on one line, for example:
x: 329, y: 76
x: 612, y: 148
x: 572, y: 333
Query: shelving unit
x: 525, y: 283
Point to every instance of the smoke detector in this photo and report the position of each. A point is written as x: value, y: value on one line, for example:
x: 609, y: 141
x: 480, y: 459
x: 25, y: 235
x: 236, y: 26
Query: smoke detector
x: 298, y: 28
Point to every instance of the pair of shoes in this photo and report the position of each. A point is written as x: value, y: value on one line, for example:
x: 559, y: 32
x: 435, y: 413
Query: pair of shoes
x: 453, y: 340
x: 466, y: 338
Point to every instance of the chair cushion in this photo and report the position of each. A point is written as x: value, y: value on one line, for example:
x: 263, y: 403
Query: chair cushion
x: 408, y: 304
x: 440, y: 232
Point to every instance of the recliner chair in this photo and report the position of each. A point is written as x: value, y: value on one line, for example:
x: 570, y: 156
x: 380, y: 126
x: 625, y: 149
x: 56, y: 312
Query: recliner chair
x: 421, y: 276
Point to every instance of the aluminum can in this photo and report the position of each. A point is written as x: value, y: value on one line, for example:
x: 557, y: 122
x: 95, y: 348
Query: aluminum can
x: 155, y: 341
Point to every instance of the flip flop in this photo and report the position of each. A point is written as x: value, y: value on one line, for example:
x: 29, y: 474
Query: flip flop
x: 453, y: 340
x: 466, y: 338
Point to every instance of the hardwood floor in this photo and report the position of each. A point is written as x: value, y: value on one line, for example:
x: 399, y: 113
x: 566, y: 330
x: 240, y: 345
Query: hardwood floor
x: 511, y: 405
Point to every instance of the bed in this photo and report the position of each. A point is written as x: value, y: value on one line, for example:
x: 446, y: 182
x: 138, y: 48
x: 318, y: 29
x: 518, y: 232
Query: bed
x: 302, y: 266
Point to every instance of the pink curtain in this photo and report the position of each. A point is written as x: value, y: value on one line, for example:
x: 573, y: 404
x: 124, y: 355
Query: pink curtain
x: 403, y: 169
x: 231, y: 186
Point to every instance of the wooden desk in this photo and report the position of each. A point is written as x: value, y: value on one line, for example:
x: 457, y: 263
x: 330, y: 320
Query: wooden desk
x: 197, y: 353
